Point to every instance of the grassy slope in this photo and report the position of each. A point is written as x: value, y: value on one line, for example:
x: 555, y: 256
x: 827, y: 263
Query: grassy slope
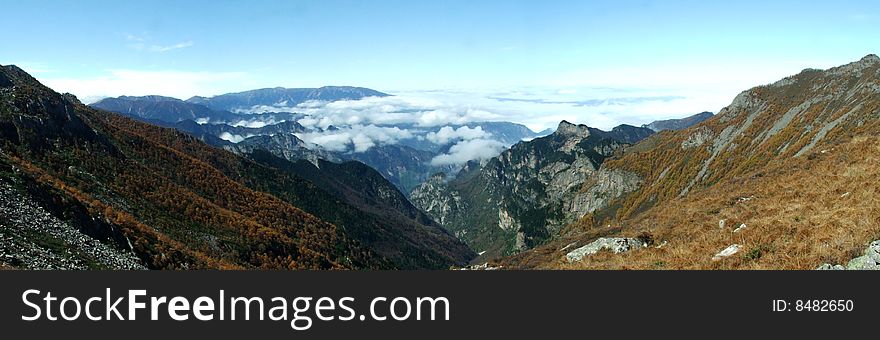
x: 797, y: 218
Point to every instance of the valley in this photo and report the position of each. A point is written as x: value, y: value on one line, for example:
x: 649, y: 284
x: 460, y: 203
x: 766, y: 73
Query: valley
x: 782, y: 178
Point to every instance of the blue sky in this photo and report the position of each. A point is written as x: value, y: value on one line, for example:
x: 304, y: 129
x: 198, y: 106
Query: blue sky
x: 705, y: 51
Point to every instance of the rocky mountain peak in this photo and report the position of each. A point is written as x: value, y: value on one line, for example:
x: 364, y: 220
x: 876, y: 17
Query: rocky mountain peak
x: 855, y: 68
x: 870, y: 59
x: 11, y: 75
x: 567, y: 129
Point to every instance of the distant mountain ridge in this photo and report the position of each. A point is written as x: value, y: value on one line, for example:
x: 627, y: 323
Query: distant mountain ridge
x: 286, y: 97
x: 406, y: 164
x: 678, y: 124
x: 172, y: 202
x: 162, y: 108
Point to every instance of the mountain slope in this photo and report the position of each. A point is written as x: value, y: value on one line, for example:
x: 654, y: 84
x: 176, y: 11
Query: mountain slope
x: 171, y: 200
x: 400, y: 230
x: 406, y: 164
x: 794, y: 162
x: 678, y: 124
x: 279, y: 96
x: 160, y: 108
x: 524, y: 196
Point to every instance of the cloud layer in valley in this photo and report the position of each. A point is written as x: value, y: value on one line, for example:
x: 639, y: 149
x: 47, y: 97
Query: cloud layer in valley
x: 356, y: 138
x: 538, y: 109
x: 438, y: 116
x: 447, y: 134
x: 467, y: 150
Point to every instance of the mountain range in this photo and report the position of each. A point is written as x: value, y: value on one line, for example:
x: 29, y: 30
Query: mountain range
x: 265, y: 99
x: 524, y: 196
x: 406, y: 164
x: 782, y: 178
x: 169, y: 201
x: 678, y: 124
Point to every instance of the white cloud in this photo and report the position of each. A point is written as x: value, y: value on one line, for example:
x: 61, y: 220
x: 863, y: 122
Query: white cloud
x: 464, y: 151
x: 141, y: 42
x: 537, y: 108
x: 233, y: 138
x: 256, y: 123
x: 448, y: 133
x: 355, y: 138
x: 159, y: 48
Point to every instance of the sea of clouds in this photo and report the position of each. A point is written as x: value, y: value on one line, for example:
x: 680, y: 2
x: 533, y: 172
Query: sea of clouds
x: 437, y: 116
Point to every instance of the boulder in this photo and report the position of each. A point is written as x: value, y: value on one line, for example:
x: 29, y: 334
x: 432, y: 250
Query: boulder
x: 732, y: 249
x: 614, y: 244
x: 828, y: 266
x: 869, y: 261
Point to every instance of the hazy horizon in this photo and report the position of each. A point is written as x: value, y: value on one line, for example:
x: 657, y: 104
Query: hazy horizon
x: 600, y: 63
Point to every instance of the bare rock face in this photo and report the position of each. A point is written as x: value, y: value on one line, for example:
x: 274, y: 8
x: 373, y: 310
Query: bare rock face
x: 828, y: 266
x: 727, y: 252
x: 567, y: 129
x: 616, y: 245
x: 609, y: 185
x: 869, y: 261
x: 30, y: 235
x: 697, y: 139
x: 527, y: 194
x: 286, y: 146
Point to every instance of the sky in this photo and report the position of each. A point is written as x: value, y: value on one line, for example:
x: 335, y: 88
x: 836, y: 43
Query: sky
x: 600, y: 63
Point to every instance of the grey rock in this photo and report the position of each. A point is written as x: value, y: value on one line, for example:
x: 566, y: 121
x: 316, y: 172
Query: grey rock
x: 20, y: 248
x: 869, y: 261
x: 697, y: 139
x: 614, y: 244
x: 828, y: 266
x: 727, y: 252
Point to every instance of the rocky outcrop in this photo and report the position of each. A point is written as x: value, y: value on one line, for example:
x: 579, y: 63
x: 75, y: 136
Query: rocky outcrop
x: 828, y: 266
x: 528, y: 193
x: 869, y: 261
x: 679, y: 124
x: 32, y: 238
x: 607, y: 186
x: 697, y: 138
x: 286, y: 146
x: 727, y: 252
x: 440, y: 201
x: 616, y: 245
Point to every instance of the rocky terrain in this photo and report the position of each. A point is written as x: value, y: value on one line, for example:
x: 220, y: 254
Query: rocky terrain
x: 178, y: 203
x: 782, y: 178
x: 678, y: 124
x: 524, y: 196
x: 32, y: 238
x: 406, y: 163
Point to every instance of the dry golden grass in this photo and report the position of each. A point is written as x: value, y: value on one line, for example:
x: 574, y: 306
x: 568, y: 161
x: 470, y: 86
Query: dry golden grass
x: 803, y: 212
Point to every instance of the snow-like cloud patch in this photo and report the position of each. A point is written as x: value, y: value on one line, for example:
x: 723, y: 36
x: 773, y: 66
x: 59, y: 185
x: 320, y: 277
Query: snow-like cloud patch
x: 537, y: 108
x: 233, y: 138
x: 468, y: 150
x: 355, y: 138
x: 256, y: 123
x: 447, y: 134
